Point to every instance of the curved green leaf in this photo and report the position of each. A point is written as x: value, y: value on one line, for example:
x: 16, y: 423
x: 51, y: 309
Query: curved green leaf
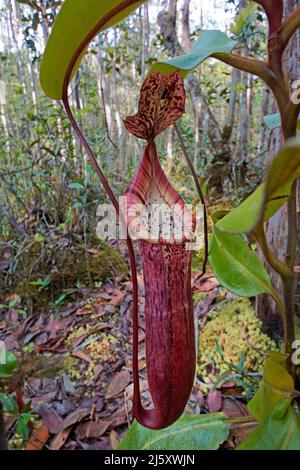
x: 10, y: 363
x: 279, y: 431
x: 277, y: 384
x: 190, y: 432
x: 284, y: 170
x: 272, y: 121
x: 246, y: 216
x: 236, y: 266
x: 208, y: 43
x: 265, y: 201
x: 73, y: 24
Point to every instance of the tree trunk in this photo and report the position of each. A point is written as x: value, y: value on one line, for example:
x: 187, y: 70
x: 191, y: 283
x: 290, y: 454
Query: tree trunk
x: 185, y: 24
x: 104, y: 91
x: 121, y: 134
x: 242, y: 155
x: 264, y: 133
x: 145, y: 37
x: 277, y: 226
x: 166, y: 20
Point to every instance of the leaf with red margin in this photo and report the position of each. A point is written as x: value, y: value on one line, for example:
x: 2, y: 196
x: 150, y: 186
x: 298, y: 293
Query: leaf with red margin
x: 162, y: 102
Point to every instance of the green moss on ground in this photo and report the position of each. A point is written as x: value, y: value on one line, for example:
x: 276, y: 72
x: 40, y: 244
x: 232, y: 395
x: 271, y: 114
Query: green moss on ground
x: 68, y: 267
x: 237, y: 330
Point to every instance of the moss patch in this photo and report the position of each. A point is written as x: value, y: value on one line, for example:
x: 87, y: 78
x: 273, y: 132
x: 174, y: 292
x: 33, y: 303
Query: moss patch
x: 237, y: 330
x: 67, y: 266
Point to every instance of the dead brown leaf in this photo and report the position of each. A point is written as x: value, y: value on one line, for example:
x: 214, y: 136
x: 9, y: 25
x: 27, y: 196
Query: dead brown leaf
x: 239, y: 432
x: 81, y: 355
x: 60, y: 439
x: 214, y: 401
x: 38, y: 439
x: 118, y: 383
x: 92, y: 429
x: 234, y: 408
x: 143, y: 388
x: 41, y: 399
x: 117, y: 299
x: 114, y: 440
x: 140, y: 338
x: 86, y: 310
x: 75, y: 417
x: 51, y: 419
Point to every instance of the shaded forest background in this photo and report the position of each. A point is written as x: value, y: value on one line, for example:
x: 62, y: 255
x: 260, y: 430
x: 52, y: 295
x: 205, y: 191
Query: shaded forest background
x: 66, y: 295
x: 47, y: 186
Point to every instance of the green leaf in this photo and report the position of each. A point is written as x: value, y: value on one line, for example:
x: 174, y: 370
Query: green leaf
x: 75, y: 185
x: 236, y: 266
x: 42, y: 283
x: 241, y: 19
x: 268, y: 197
x: 62, y: 297
x: 208, y: 44
x: 279, y: 431
x: 76, y: 22
x: 22, y: 424
x: 218, y: 215
x: 284, y: 170
x: 277, y: 384
x: 246, y: 216
x: 9, y: 404
x: 8, y: 363
x: 190, y: 432
x: 272, y: 121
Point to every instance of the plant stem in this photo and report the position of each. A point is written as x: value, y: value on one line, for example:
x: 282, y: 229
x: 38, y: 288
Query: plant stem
x: 201, y: 196
x: 241, y: 419
x: 262, y: 70
x: 289, y: 27
x: 275, y: 263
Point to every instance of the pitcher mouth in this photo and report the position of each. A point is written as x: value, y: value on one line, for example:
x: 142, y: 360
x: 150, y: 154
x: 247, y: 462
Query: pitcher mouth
x: 152, y: 209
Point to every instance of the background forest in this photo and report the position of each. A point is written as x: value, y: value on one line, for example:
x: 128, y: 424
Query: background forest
x: 65, y: 294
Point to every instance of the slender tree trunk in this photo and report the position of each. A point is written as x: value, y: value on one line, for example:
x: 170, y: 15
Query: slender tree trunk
x: 243, y: 133
x: 145, y: 36
x: 13, y: 20
x: 264, y: 133
x: 166, y: 20
x: 104, y: 92
x: 235, y: 78
x: 121, y: 134
x: 78, y: 107
x: 3, y: 115
x: 185, y: 26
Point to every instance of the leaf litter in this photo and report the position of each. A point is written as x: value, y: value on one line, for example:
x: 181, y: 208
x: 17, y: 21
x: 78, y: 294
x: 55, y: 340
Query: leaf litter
x: 76, y: 365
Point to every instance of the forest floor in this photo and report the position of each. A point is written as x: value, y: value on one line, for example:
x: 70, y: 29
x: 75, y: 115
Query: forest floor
x: 75, y: 370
